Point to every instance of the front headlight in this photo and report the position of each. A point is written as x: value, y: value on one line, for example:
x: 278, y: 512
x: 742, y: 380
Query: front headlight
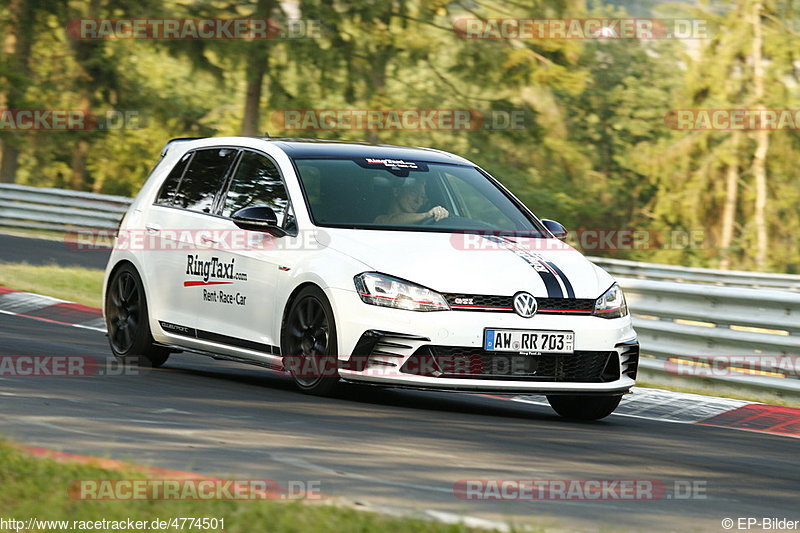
x: 386, y: 291
x: 611, y: 304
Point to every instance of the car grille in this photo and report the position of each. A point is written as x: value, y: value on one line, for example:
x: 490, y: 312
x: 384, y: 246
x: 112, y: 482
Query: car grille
x: 479, y: 302
x: 630, y: 358
x: 476, y: 363
x: 377, y: 347
x: 565, y: 305
x: 504, y: 304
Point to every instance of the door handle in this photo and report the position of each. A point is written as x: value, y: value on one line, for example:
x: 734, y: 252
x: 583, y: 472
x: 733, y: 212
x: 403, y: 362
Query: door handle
x: 152, y: 228
x: 208, y: 240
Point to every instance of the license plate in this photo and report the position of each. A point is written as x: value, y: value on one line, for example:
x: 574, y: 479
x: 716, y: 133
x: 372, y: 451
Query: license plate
x: 535, y: 341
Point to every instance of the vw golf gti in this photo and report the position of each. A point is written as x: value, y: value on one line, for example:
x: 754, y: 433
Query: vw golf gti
x: 344, y: 261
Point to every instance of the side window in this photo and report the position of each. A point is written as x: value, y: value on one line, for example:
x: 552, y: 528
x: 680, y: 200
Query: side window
x: 256, y: 182
x: 167, y: 193
x: 203, y: 178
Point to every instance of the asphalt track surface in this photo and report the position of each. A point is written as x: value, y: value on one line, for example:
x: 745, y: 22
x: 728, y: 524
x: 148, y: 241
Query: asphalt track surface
x: 386, y: 448
x: 15, y: 249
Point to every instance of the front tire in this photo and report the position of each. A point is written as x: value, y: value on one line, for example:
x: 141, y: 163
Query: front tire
x: 584, y: 407
x: 127, y: 320
x: 308, y: 340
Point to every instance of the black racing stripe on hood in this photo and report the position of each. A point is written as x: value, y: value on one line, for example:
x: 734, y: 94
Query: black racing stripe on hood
x: 548, y: 278
x: 550, y: 281
x: 564, y: 279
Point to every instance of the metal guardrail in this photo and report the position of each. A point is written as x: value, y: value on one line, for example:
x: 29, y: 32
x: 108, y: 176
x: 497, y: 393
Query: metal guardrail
x: 730, y: 334
x: 729, y: 278
x: 706, y: 317
x: 681, y: 314
x: 743, y: 381
x: 57, y: 209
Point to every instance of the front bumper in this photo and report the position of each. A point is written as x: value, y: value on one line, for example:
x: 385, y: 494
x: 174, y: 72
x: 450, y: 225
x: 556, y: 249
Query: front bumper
x: 385, y: 346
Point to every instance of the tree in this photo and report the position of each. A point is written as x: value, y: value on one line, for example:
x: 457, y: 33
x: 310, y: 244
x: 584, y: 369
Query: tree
x: 17, y: 47
x: 718, y: 180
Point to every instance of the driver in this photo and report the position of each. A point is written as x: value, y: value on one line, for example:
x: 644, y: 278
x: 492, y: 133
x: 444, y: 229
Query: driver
x: 407, y: 200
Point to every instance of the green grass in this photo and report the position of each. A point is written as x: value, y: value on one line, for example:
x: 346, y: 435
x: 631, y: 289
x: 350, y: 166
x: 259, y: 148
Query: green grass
x: 723, y: 391
x: 75, y: 284
x: 33, y: 487
x: 34, y: 233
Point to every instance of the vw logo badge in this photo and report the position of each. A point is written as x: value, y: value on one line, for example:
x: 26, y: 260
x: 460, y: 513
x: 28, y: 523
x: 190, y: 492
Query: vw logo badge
x: 525, y: 304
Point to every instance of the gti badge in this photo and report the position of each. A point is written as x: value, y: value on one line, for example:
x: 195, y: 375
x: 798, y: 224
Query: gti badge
x: 525, y: 304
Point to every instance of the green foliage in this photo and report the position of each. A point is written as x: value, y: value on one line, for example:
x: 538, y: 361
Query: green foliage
x: 594, y: 151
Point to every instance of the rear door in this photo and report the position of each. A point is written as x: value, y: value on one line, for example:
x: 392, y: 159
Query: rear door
x: 180, y: 265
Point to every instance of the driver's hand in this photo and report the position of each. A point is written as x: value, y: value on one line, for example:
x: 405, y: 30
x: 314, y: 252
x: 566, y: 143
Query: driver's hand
x: 438, y: 213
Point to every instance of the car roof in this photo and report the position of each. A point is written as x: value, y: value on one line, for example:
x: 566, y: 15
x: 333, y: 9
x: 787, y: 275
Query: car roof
x: 302, y: 148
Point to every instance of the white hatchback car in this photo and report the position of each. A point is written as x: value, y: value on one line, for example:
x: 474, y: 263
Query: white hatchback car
x: 393, y: 266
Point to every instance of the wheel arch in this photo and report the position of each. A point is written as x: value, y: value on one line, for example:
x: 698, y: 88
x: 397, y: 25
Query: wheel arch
x: 110, y: 274
x: 293, y: 296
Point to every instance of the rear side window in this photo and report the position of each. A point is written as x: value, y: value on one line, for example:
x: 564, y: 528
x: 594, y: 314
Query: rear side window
x: 167, y: 193
x: 203, y: 179
x: 256, y: 182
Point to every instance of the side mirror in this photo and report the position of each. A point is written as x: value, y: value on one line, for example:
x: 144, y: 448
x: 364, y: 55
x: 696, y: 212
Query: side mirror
x: 258, y: 218
x: 558, y: 231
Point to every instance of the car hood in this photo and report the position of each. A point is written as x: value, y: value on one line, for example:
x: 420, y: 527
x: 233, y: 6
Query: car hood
x: 473, y: 264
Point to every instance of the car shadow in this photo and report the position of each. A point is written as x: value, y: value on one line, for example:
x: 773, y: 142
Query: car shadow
x: 468, y: 403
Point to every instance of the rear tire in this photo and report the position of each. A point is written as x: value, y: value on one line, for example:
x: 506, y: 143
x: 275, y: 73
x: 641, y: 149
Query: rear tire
x: 127, y: 320
x: 584, y: 407
x: 308, y: 342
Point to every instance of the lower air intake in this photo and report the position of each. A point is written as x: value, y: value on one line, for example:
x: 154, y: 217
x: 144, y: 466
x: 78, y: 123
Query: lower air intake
x: 476, y: 363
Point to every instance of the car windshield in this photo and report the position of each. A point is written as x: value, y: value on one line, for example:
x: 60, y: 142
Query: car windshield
x: 409, y: 195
